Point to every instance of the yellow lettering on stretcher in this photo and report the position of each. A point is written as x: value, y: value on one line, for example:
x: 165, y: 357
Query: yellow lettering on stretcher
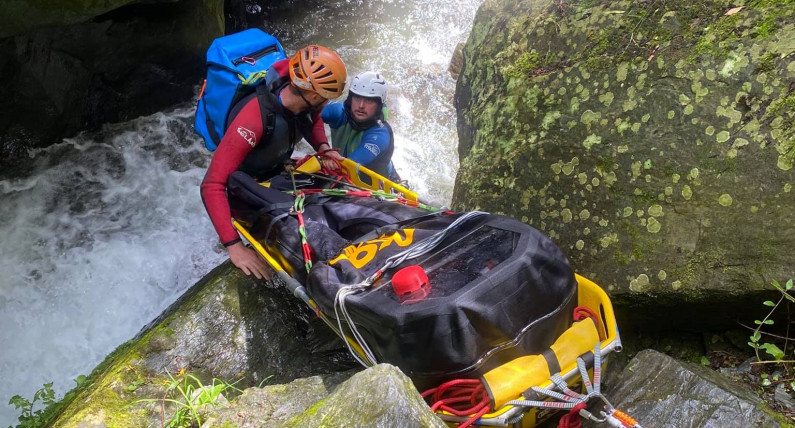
x: 362, y: 253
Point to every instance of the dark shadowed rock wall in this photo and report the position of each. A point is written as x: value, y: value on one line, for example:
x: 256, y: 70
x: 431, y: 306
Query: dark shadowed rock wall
x: 74, y: 66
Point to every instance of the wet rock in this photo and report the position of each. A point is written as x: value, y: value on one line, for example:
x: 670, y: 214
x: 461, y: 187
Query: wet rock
x: 660, y: 392
x: 229, y: 327
x: 741, y: 371
x: 73, y: 66
x: 457, y: 61
x: 784, y: 397
x: 275, y: 404
x: 647, y: 140
x: 380, y: 396
x: 20, y: 16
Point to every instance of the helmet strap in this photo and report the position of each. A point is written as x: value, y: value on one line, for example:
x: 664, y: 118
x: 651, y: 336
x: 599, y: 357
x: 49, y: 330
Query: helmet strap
x: 311, y: 106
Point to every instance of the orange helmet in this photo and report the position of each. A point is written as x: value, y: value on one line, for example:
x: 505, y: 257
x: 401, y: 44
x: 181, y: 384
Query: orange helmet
x: 318, y: 69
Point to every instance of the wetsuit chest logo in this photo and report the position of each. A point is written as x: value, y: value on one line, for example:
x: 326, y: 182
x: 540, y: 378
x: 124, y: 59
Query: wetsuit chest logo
x: 247, y: 135
x: 374, y: 149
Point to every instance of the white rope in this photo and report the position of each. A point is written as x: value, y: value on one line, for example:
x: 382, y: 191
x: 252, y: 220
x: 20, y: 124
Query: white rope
x: 341, y: 312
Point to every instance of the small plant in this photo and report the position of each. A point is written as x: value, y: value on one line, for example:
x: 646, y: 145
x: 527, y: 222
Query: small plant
x: 45, y: 396
x: 193, y: 400
x: 756, y: 342
x: 30, y: 418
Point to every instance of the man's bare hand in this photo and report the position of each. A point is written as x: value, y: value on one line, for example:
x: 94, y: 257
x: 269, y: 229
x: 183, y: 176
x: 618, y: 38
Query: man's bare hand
x: 248, y: 261
x: 330, y: 158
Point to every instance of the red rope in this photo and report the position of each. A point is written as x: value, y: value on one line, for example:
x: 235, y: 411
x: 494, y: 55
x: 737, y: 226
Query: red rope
x: 460, y: 397
x: 573, y: 418
x: 583, y: 312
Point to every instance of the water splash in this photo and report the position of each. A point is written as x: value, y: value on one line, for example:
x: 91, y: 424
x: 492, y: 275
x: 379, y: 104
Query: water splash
x: 410, y: 43
x: 108, y: 228
x: 105, y: 233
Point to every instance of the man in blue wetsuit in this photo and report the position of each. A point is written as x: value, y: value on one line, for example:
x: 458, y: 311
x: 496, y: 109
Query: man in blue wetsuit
x: 358, y: 126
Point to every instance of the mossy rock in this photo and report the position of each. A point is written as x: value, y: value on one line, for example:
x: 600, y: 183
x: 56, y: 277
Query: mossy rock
x: 229, y: 327
x: 654, y: 142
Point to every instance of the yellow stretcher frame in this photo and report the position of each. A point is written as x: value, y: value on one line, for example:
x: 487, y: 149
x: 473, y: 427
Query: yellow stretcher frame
x: 362, y: 177
x: 589, y: 295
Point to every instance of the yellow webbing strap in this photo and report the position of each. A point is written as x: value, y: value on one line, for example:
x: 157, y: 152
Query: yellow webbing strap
x: 509, y: 380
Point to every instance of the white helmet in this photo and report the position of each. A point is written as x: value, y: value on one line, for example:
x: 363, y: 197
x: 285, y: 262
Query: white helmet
x: 369, y: 84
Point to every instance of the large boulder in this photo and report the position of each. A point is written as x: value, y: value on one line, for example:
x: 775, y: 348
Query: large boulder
x: 72, y: 66
x: 229, y: 327
x: 380, y: 396
x: 654, y: 142
x: 661, y: 392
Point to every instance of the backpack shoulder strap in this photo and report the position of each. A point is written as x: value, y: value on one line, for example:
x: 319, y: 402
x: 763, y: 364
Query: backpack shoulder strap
x: 266, y: 110
x: 269, y: 105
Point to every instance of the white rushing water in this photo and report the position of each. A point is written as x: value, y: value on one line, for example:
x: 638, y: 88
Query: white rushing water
x: 108, y: 228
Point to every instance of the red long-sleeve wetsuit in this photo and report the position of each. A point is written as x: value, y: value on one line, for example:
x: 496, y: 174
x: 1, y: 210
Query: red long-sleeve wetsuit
x: 243, y: 134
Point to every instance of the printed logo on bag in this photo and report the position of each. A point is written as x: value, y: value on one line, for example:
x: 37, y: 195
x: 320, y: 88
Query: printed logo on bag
x: 247, y: 135
x: 361, y: 254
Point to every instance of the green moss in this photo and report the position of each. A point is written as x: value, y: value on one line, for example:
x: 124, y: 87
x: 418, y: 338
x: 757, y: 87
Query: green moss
x: 773, y: 11
x: 766, y: 63
x: 622, y: 258
x: 524, y: 65
x: 781, y: 105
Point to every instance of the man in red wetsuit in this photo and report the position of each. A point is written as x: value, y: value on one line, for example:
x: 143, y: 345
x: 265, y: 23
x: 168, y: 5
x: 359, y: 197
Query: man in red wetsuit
x: 263, y: 129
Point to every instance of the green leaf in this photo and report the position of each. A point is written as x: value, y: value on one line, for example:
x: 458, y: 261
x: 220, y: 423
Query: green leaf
x: 80, y: 380
x: 704, y: 361
x: 789, y: 284
x: 756, y: 336
x: 786, y: 295
x: 768, y: 303
x: 768, y: 322
x: 757, y: 322
x: 773, y: 350
x: 18, y: 401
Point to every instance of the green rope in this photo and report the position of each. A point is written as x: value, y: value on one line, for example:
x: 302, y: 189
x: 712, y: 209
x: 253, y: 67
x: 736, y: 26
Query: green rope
x: 252, y: 78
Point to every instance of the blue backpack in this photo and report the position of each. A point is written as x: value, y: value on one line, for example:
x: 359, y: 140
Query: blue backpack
x: 236, y: 65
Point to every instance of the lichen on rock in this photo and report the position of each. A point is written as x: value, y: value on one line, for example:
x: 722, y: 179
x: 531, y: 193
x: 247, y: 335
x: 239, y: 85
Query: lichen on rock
x: 678, y: 110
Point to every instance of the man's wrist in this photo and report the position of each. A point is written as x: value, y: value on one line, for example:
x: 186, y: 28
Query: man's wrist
x: 232, y: 242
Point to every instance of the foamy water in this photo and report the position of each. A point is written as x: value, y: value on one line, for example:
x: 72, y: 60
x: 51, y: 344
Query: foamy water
x: 108, y: 228
x: 104, y: 234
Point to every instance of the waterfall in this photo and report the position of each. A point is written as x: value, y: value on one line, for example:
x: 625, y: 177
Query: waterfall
x: 106, y: 229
